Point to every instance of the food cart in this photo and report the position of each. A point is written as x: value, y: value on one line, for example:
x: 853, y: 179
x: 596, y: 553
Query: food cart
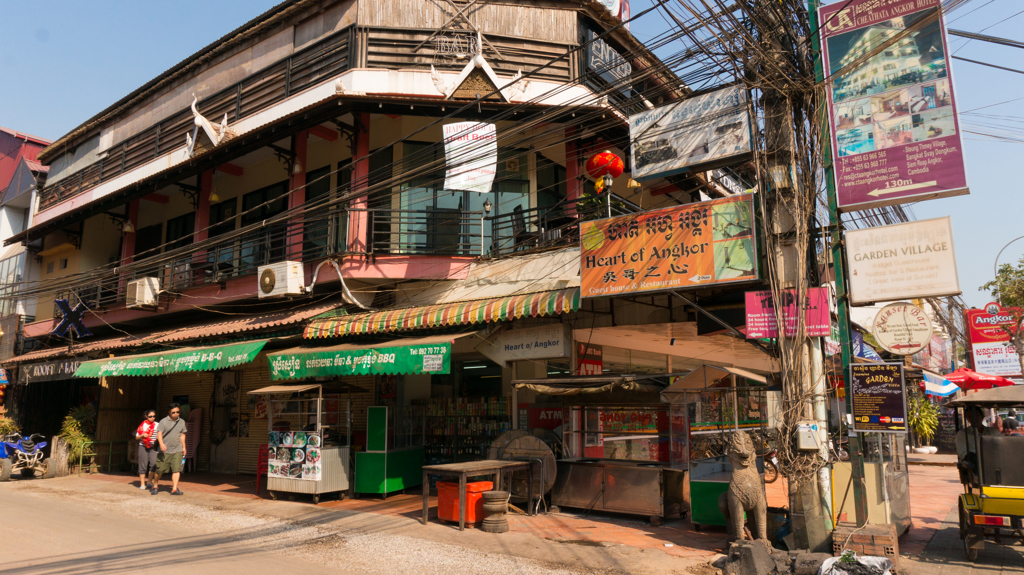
x: 393, y: 459
x: 310, y: 438
x: 707, y: 406
x: 617, y: 451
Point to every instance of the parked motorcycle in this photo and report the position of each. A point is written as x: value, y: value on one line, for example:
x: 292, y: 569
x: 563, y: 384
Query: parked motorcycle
x: 771, y: 466
x: 26, y: 456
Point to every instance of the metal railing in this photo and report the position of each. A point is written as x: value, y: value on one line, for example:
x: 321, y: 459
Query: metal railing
x: 443, y: 232
x: 555, y: 226
x: 97, y: 455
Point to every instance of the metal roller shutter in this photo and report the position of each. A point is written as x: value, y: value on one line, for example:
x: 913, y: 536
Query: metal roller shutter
x: 198, y: 386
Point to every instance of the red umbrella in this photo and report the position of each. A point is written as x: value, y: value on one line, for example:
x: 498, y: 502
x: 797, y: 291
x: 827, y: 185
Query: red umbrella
x: 968, y: 379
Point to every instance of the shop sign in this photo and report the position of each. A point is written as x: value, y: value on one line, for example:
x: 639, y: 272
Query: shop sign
x: 195, y: 359
x: 393, y: 360
x: 471, y: 154
x: 541, y: 342
x: 903, y: 261
x: 48, y: 371
x: 878, y: 397
x: 294, y: 455
x: 990, y: 330
x: 698, y: 131
x: 589, y: 358
x: 72, y: 319
x: 688, y: 246
x: 895, y: 132
x: 608, y: 64
x: 762, y: 319
x: 902, y: 328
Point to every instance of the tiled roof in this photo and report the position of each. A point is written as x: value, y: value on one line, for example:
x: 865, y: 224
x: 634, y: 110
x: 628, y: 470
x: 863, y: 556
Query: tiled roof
x: 231, y: 325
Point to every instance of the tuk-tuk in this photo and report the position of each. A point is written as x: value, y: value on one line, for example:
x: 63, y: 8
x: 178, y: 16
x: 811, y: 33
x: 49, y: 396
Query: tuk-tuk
x: 991, y: 471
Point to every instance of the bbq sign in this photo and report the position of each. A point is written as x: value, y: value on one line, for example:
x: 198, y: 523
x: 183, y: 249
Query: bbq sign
x: 673, y: 248
x: 878, y: 397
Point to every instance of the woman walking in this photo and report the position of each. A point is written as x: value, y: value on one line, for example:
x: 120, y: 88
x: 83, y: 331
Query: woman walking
x: 146, y: 436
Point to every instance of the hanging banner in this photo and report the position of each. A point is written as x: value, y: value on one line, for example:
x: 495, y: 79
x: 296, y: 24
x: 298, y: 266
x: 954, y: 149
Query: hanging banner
x: 540, y: 342
x: 895, y: 133
x: 902, y: 261
x: 673, y: 248
x: 878, y: 397
x: 762, y: 319
x: 589, y: 358
x: 385, y: 358
x: 603, y: 61
x: 190, y: 359
x: 471, y: 154
x: 700, y: 130
x: 990, y: 330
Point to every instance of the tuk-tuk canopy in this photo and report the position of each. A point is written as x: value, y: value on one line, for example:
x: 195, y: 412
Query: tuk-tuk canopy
x: 996, y: 397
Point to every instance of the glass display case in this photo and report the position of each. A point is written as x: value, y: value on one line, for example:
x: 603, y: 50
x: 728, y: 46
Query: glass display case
x: 394, y: 455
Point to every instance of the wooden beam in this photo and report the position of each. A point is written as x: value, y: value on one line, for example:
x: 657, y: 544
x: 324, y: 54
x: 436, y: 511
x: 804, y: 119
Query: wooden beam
x: 323, y: 133
x: 231, y: 170
x: 664, y: 190
x: 157, y: 198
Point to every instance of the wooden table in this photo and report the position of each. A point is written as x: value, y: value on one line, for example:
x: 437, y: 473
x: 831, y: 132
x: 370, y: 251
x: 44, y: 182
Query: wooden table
x: 494, y: 468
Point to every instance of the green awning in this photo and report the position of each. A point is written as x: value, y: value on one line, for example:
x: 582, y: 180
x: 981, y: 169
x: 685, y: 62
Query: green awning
x: 402, y: 356
x: 188, y: 359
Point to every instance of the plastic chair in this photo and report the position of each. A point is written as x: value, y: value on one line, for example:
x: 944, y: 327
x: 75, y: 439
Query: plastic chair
x: 195, y: 432
x: 261, y: 465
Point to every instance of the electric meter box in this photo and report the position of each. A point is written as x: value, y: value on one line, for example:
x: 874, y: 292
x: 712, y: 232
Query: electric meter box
x: 808, y: 436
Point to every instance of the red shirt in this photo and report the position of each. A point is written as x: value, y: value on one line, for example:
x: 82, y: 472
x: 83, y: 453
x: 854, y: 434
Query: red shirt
x: 147, y: 429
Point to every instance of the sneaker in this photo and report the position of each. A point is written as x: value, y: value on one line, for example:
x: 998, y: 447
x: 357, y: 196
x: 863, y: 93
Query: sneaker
x: 153, y: 491
x: 177, y: 492
x: 144, y: 487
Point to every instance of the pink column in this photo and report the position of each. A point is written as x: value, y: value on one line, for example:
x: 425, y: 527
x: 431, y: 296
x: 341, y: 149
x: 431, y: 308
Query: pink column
x: 128, y: 244
x: 359, y: 221
x: 573, y: 181
x: 297, y: 195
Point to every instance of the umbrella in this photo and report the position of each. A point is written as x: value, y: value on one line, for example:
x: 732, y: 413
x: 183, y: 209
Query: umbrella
x: 968, y: 379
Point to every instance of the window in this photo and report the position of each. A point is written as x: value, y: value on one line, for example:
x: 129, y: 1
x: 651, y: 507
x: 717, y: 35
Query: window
x: 49, y: 268
x: 64, y: 263
x: 180, y: 230
x: 147, y: 241
x: 319, y: 221
x: 267, y: 243
x: 222, y: 217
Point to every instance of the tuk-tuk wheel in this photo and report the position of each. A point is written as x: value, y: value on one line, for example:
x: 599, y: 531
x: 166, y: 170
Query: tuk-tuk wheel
x: 971, y: 552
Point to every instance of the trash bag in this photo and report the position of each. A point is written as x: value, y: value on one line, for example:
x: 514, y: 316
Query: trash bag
x: 851, y: 564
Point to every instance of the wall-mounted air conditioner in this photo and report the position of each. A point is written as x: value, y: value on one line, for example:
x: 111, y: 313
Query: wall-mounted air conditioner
x: 281, y: 279
x: 142, y: 293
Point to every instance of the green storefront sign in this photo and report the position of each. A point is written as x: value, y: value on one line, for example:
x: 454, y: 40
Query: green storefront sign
x: 192, y: 359
x: 387, y: 358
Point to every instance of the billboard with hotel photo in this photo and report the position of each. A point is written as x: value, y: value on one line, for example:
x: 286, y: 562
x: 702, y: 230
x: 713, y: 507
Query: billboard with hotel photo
x: 895, y: 134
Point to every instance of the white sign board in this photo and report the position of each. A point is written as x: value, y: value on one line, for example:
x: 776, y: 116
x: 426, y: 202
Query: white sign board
x: 543, y: 342
x: 997, y: 358
x: 902, y: 328
x: 903, y: 261
x: 471, y: 154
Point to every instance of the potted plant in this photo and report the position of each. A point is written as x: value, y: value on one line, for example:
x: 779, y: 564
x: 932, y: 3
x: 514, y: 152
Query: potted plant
x: 7, y: 427
x: 76, y: 431
x: 923, y: 417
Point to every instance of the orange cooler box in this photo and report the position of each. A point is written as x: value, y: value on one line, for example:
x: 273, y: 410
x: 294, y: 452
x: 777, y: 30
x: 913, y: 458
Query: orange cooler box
x: 448, y: 500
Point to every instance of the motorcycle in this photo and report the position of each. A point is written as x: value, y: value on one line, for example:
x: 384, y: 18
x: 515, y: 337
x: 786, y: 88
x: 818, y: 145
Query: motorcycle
x: 26, y: 456
x: 771, y: 466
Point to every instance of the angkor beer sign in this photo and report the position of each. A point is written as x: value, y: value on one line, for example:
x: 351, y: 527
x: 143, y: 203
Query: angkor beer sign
x: 989, y: 330
x: 673, y: 248
x: 895, y: 133
x: 911, y: 260
x: 878, y: 397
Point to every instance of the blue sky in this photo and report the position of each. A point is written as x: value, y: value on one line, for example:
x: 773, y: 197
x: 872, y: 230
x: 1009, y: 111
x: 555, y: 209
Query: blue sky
x: 62, y: 62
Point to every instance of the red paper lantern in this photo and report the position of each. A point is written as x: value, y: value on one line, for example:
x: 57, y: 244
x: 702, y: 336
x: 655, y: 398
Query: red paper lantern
x: 605, y: 163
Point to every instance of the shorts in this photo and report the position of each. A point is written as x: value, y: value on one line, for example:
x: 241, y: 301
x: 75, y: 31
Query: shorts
x: 168, y: 462
x: 147, y: 458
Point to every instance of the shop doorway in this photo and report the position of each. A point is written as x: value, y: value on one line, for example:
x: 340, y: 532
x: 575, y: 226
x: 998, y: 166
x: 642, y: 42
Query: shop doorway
x: 224, y: 424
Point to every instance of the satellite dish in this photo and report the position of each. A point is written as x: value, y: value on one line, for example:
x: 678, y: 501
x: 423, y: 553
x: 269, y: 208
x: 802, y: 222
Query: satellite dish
x: 268, y: 279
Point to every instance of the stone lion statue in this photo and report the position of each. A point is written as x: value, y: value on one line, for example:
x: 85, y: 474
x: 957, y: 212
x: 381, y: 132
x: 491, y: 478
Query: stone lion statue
x: 746, y: 493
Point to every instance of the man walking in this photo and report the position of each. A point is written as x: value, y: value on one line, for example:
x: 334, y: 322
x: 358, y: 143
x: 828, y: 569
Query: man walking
x: 170, y: 434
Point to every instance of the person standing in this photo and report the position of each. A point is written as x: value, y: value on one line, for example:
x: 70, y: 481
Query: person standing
x: 170, y: 435
x: 146, y: 436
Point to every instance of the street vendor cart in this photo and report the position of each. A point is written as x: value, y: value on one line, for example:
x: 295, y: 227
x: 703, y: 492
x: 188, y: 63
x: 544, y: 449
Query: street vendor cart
x: 707, y: 406
x: 310, y: 437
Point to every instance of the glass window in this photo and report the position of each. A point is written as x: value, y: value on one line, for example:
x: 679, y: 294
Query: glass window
x: 266, y: 244
x: 147, y: 241
x: 180, y: 230
x: 316, y: 231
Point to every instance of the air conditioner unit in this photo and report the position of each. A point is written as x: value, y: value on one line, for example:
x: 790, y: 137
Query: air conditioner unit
x: 281, y: 279
x: 142, y: 293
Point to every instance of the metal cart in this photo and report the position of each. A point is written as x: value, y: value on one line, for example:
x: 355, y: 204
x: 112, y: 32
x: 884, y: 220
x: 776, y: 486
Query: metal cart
x: 309, y: 441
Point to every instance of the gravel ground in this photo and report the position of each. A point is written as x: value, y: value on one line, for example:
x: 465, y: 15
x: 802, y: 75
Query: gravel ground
x: 330, y: 547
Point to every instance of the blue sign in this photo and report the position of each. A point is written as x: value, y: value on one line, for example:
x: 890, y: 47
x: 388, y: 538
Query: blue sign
x: 72, y: 319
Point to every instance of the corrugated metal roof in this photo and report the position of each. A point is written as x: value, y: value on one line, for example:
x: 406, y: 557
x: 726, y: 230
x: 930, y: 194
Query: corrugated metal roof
x: 237, y: 324
x: 36, y: 166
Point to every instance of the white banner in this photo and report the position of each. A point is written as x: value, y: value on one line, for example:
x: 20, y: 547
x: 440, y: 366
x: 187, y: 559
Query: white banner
x: 541, y: 342
x: 996, y: 359
x: 903, y: 261
x: 471, y: 154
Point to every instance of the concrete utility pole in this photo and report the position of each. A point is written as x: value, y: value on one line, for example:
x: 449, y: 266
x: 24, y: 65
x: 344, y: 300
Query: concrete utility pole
x: 790, y: 215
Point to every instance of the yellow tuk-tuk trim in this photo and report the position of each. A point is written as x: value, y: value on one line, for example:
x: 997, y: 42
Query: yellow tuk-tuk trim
x: 1002, y: 500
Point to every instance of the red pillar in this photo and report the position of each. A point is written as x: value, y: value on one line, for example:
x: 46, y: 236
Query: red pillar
x: 203, y: 211
x: 297, y: 195
x: 573, y: 181
x: 128, y: 244
x: 358, y: 221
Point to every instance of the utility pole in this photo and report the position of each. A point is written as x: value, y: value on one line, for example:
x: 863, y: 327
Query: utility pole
x: 790, y: 213
x: 839, y: 272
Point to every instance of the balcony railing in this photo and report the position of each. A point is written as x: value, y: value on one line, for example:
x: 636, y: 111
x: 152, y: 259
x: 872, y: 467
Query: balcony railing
x: 442, y: 232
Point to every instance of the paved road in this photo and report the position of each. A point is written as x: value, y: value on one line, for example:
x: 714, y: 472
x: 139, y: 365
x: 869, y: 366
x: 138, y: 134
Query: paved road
x: 50, y: 528
x: 944, y: 555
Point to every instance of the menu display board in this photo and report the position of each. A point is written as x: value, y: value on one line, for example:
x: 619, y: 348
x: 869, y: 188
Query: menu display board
x: 294, y: 455
x: 879, y: 398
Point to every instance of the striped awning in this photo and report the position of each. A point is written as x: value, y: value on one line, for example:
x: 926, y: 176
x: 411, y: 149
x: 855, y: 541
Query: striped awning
x: 458, y: 313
